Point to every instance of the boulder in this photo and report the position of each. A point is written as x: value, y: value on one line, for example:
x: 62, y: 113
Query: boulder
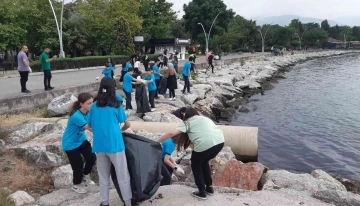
x: 189, y: 98
x: 239, y: 175
x: 26, y: 131
x: 226, y: 153
x: 161, y: 117
x: 185, y: 161
x: 322, y: 175
x: 21, y: 198
x: 234, y: 103
x: 2, y: 144
x: 152, y: 136
x: 204, y: 108
x: 244, y: 109
x: 339, y: 198
x: 61, y: 105
x: 300, y: 182
x: 269, y: 185
x: 351, y: 185
x: 62, y: 177
x: 228, y: 114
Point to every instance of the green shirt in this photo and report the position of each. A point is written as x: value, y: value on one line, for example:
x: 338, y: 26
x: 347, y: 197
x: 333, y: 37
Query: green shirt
x: 44, y: 64
x: 203, y: 132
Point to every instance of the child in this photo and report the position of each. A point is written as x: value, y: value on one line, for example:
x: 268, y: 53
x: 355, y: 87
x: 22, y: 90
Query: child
x: 76, y: 145
x: 176, y: 62
x: 127, y: 86
x: 151, y: 88
x: 172, y: 82
x: 168, y: 167
x: 111, y: 66
x: 210, y: 61
x: 125, y: 67
x: 186, y: 73
x: 105, y: 116
x: 156, y: 72
x: 107, y: 72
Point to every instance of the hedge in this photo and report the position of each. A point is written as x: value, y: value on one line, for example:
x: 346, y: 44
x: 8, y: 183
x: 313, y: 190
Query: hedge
x: 83, y: 62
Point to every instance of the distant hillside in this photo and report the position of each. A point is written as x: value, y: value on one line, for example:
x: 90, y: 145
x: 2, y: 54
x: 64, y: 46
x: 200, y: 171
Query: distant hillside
x: 349, y: 20
x: 285, y: 20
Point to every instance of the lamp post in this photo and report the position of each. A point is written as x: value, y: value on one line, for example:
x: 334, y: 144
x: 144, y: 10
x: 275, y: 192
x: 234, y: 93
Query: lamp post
x: 208, y: 36
x: 263, y: 37
x: 59, y: 29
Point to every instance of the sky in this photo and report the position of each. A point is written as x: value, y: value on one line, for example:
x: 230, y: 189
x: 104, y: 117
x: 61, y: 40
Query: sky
x: 323, y: 9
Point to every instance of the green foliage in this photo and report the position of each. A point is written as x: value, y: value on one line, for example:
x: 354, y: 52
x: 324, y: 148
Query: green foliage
x: 295, y: 43
x: 325, y: 25
x: 316, y: 37
x: 124, y: 42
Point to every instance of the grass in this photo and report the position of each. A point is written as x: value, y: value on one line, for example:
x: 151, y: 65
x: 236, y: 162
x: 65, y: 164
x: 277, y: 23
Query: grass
x: 15, y: 119
x: 4, y: 200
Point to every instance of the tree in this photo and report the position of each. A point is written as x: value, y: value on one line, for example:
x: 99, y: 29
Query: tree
x: 204, y: 11
x: 124, y: 41
x: 325, y: 25
x: 178, y: 29
x: 295, y: 43
x: 242, y: 33
x: 356, y: 33
x: 316, y: 37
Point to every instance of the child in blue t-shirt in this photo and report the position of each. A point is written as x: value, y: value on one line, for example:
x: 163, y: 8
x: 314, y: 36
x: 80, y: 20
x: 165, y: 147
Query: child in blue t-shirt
x: 127, y: 86
x: 125, y: 67
x: 76, y: 145
x: 105, y: 115
x: 111, y: 66
x: 169, y: 165
x: 186, y: 73
x: 156, y: 72
x: 150, y: 77
x: 107, y: 72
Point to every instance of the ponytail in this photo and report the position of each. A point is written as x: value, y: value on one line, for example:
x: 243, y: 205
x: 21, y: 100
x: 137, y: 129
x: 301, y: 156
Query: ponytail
x: 74, y: 107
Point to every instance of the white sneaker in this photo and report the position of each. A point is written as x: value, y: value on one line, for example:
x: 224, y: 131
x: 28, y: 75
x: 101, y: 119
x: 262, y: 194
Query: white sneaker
x: 78, y: 189
x: 174, y: 98
x: 170, y: 99
x: 87, y: 180
x: 152, y: 110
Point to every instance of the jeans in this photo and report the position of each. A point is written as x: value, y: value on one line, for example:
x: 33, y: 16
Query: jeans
x: 128, y: 100
x: 187, y: 83
x: 157, y: 82
x: 212, y: 67
x: 23, y: 79
x: 152, y: 98
x: 47, y: 79
x: 171, y: 93
x: 76, y: 156
x: 201, y: 168
x: 166, y: 173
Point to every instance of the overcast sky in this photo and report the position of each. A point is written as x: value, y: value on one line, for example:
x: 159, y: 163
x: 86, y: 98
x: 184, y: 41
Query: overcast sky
x: 330, y: 9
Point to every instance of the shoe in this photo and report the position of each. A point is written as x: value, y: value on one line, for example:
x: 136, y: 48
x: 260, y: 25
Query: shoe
x: 87, y: 180
x: 152, y: 110
x: 189, y: 92
x: 170, y: 99
x: 101, y: 204
x: 199, y: 195
x: 174, y: 98
x: 26, y: 91
x: 51, y: 88
x: 78, y: 189
x: 209, y: 191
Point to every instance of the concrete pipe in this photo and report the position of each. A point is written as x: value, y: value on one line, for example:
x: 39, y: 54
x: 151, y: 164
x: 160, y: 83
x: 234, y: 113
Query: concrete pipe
x: 242, y: 140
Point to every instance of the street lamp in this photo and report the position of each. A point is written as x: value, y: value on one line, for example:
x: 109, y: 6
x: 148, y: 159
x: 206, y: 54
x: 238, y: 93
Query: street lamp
x: 208, y: 36
x: 263, y: 37
x: 59, y: 29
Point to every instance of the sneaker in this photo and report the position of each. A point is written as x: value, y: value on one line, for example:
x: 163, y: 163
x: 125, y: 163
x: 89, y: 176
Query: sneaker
x: 51, y: 88
x: 101, y: 204
x: 174, y: 98
x: 152, y: 110
x: 26, y: 91
x: 78, y: 189
x: 209, y: 191
x: 87, y: 180
x: 199, y: 195
x: 170, y: 99
x: 190, y: 92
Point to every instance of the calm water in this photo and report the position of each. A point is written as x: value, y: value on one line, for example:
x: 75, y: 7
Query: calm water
x: 311, y: 120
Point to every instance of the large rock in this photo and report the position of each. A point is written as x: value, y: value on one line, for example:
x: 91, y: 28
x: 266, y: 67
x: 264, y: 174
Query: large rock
x: 161, y: 117
x: 61, y: 105
x: 239, y: 175
x: 204, y: 108
x: 321, y: 175
x: 190, y: 98
x: 152, y: 136
x: 300, y: 182
x: 226, y: 153
x: 339, y: 198
x: 21, y: 198
x: 62, y: 177
x: 26, y: 131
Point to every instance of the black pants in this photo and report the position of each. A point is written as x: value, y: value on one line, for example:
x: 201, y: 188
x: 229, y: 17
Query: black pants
x: 212, y: 67
x: 23, y: 79
x: 152, y: 98
x: 171, y: 93
x: 157, y: 82
x: 128, y: 100
x: 146, y: 66
x: 76, y: 161
x: 201, y: 168
x: 187, y: 83
x: 166, y: 173
x: 122, y: 75
x: 47, y: 79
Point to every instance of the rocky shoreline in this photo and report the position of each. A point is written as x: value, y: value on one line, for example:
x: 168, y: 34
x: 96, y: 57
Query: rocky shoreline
x: 217, y: 96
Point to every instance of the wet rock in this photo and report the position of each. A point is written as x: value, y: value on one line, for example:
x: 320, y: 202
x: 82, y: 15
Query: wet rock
x: 228, y: 114
x: 161, y: 117
x: 351, y: 185
x: 234, y: 103
x: 21, y: 198
x: 339, y: 198
x: 239, y: 175
x: 267, y: 86
x: 61, y: 105
x: 321, y: 175
x: 62, y: 177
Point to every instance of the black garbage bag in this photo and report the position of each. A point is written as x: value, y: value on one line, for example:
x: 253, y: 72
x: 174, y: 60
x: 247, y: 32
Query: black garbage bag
x: 144, y: 161
x: 163, y: 86
x: 141, y: 98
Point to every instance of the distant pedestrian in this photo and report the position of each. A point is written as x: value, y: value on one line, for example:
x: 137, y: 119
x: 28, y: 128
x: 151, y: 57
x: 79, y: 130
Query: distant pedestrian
x: 23, y: 68
x: 134, y: 58
x: 165, y: 58
x: 172, y: 82
x: 107, y: 72
x: 125, y: 67
x: 186, y: 74
x: 210, y: 62
x: 150, y: 78
x: 46, y: 68
x: 146, y: 60
x: 156, y: 72
x: 176, y: 62
x: 111, y: 66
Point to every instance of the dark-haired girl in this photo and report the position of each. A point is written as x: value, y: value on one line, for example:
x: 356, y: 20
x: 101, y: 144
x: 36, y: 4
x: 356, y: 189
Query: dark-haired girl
x: 105, y: 115
x: 76, y: 145
x: 208, y: 141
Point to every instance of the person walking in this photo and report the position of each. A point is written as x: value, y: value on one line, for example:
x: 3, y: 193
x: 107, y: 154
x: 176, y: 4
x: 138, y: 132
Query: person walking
x: 76, y: 145
x: 45, y: 65
x: 186, y: 73
x: 176, y: 62
x: 207, y: 145
x: 111, y: 66
x: 172, y: 82
x: 127, y: 86
x: 210, y: 59
x: 105, y: 115
x: 23, y: 68
x: 146, y: 60
x: 156, y: 72
x: 150, y: 80
x: 125, y: 67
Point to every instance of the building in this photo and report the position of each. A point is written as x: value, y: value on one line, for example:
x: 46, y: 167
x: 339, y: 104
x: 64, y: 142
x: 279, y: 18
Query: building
x: 355, y: 44
x: 171, y: 44
x: 334, y: 44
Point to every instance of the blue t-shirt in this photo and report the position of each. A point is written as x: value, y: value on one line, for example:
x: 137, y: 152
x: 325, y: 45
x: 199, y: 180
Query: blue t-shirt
x: 74, y: 134
x: 107, y: 72
x: 104, y: 121
x: 111, y: 66
x: 127, y: 66
x: 152, y: 85
x: 186, y: 69
x: 127, y: 86
x: 168, y: 147
x: 156, y: 69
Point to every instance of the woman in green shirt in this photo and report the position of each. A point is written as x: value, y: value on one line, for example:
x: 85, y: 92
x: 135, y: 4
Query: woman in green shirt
x: 208, y: 141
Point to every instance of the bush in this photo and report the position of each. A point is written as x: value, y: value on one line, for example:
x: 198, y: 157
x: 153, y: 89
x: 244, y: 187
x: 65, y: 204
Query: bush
x: 83, y: 62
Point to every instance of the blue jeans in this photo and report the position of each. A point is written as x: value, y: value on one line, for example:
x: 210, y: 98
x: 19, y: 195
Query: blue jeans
x: 187, y: 84
x: 128, y: 100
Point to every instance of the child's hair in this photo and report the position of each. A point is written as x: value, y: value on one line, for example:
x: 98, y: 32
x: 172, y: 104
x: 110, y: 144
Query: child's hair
x: 82, y: 98
x: 183, y: 109
x: 106, y: 95
x: 191, y: 58
x: 130, y: 69
x: 183, y: 140
x: 107, y: 65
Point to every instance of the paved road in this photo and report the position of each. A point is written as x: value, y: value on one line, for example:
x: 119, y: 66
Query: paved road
x: 12, y: 85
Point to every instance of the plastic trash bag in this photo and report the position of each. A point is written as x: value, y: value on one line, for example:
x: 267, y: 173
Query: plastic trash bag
x: 144, y: 161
